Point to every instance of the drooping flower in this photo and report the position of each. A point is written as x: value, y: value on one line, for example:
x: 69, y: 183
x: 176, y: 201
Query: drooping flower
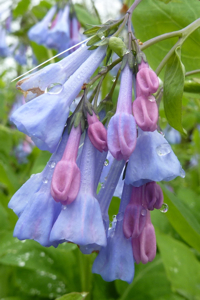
x: 20, y: 55
x: 34, y: 205
x: 4, y: 49
x: 39, y: 32
x: 152, y: 160
x: 53, y: 76
x: 44, y: 117
x: 81, y: 222
x: 115, y: 261
x: 75, y: 36
x: 122, y: 126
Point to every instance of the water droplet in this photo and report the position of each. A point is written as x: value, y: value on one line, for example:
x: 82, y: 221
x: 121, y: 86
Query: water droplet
x: 21, y: 264
x: 113, y: 80
x: 164, y: 208
x: 127, y: 52
x: 32, y: 175
x: 106, y: 163
x: 120, y: 216
x: 163, y: 149
x: 64, y: 207
x: 54, y: 88
x: 162, y: 133
x: 45, y: 180
x: 42, y: 254
x: 151, y: 98
x: 103, y: 37
x: 52, y: 164
x: 182, y: 173
x: 143, y: 212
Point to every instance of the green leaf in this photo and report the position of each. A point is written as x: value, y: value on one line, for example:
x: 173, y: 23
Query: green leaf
x: 84, y: 16
x: 40, y: 52
x: 93, y: 40
x: 173, y: 90
x: 182, y: 219
x: 40, y: 162
x: 91, y: 31
x: 150, y: 283
x: 21, y: 8
x: 152, y: 18
x: 73, y: 296
x: 181, y: 265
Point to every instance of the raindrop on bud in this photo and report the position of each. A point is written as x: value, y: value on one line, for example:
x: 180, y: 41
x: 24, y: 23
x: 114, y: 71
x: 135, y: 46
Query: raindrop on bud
x: 164, y: 208
x: 54, y: 88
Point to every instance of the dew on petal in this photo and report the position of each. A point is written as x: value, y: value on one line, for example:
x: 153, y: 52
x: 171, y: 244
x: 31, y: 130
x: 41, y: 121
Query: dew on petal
x: 106, y: 163
x: 143, y: 212
x: 182, y: 173
x: 163, y: 149
x: 52, y: 164
x: 151, y: 98
x: 164, y: 208
x: 45, y: 180
x: 54, y: 88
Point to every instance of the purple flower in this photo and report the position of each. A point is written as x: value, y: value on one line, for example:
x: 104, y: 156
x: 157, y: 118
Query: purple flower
x: 20, y: 55
x: 33, y: 203
x: 115, y: 261
x: 152, y: 160
x: 44, y: 117
x: 122, y: 126
x: 59, y: 35
x: 4, y: 49
x: 39, y: 32
x: 75, y: 36
x: 81, y: 222
x: 35, y: 84
x: 172, y: 135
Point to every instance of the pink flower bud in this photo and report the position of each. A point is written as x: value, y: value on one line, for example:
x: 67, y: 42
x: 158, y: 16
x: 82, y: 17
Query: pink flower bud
x: 135, y: 214
x: 153, y: 196
x: 97, y: 133
x: 144, y: 246
x: 145, y: 113
x: 66, y: 178
x: 147, y: 82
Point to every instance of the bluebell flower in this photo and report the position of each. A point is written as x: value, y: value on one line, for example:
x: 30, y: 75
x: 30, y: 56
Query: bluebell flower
x: 34, y: 205
x: 115, y: 261
x: 44, y: 117
x: 172, y: 135
x: 39, y: 32
x: 4, y: 49
x: 104, y: 197
x: 58, y: 36
x: 81, y: 222
x: 152, y: 160
x: 20, y: 55
x: 35, y: 84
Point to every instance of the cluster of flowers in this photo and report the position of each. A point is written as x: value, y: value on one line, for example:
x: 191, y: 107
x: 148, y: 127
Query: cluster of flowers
x: 59, y: 29
x: 4, y: 29
x: 61, y: 204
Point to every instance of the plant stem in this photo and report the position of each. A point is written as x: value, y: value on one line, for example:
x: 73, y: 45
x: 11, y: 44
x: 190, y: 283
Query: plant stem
x: 192, y: 72
x: 133, y: 6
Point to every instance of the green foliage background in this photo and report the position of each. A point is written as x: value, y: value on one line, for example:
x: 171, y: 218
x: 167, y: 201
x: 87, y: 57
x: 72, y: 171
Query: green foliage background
x: 30, y: 271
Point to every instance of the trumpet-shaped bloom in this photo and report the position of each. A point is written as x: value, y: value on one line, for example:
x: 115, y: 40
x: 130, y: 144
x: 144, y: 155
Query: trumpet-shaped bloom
x: 75, y: 37
x: 66, y: 177
x: 152, y: 160
x: 115, y: 261
x: 146, y: 113
x: 4, y: 49
x: 35, y: 84
x: 97, y: 133
x: 34, y: 204
x: 39, y: 32
x: 81, y: 222
x: 122, y: 126
x: 59, y: 35
x: 144, y: 246
x: 44, y: 117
